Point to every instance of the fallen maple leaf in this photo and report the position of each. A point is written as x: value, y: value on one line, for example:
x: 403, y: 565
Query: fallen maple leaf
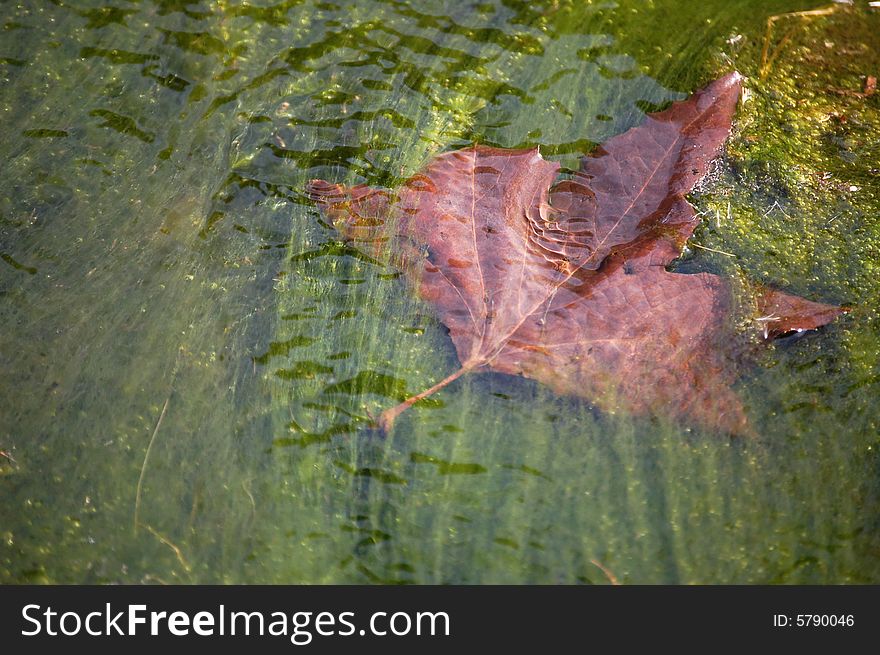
x: 566, y: 284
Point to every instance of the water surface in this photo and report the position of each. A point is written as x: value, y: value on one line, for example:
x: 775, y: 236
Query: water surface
x: 189, y: 357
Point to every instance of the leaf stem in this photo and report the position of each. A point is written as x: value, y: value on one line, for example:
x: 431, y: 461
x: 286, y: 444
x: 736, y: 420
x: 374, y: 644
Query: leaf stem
x: 386, y: 420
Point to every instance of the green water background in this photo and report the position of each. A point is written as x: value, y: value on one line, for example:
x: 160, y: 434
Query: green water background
x: 189, y: 358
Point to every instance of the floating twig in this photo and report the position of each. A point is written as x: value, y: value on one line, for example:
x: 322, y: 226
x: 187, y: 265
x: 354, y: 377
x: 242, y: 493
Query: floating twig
x: 720, y: 252
x: 608, y: 574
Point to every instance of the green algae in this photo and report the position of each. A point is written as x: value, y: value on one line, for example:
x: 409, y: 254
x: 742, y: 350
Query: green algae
x: 158, y: 248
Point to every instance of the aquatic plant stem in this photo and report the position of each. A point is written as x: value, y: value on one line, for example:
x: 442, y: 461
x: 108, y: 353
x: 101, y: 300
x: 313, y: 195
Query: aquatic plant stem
x: 166, y: 541
x: 767, y: 58
x: 137, y: 495
x: 386, y: 420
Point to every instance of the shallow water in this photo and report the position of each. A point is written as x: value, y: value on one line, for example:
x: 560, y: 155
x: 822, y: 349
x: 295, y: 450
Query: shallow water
x: 190, y: 357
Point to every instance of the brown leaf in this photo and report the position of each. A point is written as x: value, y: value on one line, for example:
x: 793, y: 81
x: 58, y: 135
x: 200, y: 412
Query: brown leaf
x: 566, y: 284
